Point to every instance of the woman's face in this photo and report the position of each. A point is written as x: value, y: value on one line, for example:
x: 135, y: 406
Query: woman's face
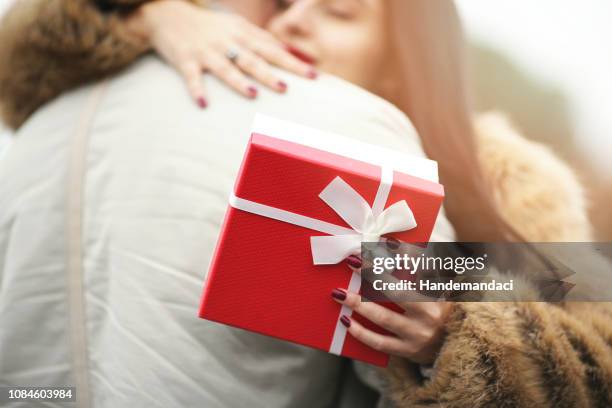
x: 346, y: 38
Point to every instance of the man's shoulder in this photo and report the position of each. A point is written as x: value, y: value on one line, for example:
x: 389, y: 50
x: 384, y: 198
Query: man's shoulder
x: 335, y: 104
x: 150, y: 96
x: 151, y: 89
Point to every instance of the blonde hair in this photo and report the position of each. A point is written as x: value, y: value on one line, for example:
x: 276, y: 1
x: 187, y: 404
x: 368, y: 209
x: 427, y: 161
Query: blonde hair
x: 429, y: 50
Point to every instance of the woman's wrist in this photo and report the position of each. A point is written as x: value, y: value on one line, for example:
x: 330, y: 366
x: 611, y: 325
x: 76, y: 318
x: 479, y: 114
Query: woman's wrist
x: 139, y: 22
x: 146, y: 20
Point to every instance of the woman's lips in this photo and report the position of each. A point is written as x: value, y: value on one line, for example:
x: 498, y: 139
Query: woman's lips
x: 301, y: 55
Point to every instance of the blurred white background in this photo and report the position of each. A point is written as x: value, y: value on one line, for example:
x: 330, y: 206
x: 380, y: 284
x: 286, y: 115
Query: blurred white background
x: 566, y: 43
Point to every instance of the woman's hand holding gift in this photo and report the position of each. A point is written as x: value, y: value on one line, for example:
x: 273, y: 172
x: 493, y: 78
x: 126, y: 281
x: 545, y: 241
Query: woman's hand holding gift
x: 419, y: 332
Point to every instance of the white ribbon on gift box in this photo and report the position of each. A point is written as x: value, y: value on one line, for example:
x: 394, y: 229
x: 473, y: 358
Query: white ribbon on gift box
x: 367, y: 225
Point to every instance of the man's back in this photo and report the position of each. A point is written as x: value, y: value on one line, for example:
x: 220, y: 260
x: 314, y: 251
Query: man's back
x: 125, y: 184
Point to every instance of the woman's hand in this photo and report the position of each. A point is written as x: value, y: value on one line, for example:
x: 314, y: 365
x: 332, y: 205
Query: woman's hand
x: 419, y: 331
x: 193, y: 39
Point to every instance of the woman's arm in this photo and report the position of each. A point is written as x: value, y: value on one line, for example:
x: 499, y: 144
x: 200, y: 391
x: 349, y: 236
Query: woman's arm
x: 194, y: 39
x: 514, y: 354
x: 520, y: 355
x: 48, y: 46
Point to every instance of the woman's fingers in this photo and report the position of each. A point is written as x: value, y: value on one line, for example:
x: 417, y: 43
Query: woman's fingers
x: 230, y: 74
x: 194, y: 39
x: 191, y: 72
x: 259, y: 70
x: 418, y: 337
x: 420, y: 333
x: 386, y: 318
x: 380, y: 342
x: 275, y: 54
x: 402, y: 299
x: 355, y: 263
x: 273, y: 51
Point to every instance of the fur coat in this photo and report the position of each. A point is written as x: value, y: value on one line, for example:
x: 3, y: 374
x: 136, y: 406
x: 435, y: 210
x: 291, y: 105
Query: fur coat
x: 520, y: 354
x: 517, y: 354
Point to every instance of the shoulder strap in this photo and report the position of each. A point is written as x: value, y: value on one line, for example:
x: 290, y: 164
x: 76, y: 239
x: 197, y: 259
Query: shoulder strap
x: 77, y: 167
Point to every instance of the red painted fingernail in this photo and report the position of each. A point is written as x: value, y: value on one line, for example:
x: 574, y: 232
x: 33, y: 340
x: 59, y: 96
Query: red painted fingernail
x: 312, y: 74
x: 282, y: 85
x: 252, y: 91
x: 354, y: 261
x: 338, y: 294
x: 393, y: 243
x: 346, y: 321
x: 202, y: 102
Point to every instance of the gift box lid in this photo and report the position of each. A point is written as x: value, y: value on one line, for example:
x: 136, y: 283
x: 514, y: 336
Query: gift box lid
x: 344, y: 146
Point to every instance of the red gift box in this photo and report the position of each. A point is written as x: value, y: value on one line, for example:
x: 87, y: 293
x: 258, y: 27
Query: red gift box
x: 262, y: 276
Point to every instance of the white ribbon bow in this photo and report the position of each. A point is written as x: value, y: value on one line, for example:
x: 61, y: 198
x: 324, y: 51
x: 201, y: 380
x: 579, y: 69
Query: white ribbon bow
x: 367, y: 226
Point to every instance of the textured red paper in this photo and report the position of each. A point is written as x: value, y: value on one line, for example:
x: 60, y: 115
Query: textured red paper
x: 262, y: 277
